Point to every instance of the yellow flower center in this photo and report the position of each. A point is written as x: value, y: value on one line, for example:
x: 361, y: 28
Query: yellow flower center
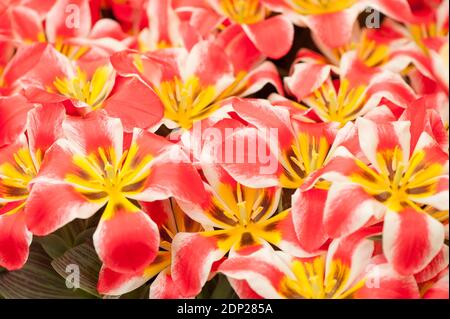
x: 189, y: 101
x: 399, y: 184
x: 242, y: 206
x: 15, y: 176
x: 102, y: 174
x: 309, y: 7
x: 186, y: 102
x: 369, y: 51
x: 90, y: 91
x: 244, y: 11
x: 73, y: 52
x: 310, y: 281
x: 343, y: 106
x: 420, y: 32
x: 306, y: 155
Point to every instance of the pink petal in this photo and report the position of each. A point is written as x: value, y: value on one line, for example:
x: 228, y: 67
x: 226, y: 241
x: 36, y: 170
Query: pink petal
x: 13, y: 115
x: 44, y: 126
x: 67, y: 19
x: 27, y: 24
x: 273, y: 36
x: 144, y: 112
x: 333, y: 29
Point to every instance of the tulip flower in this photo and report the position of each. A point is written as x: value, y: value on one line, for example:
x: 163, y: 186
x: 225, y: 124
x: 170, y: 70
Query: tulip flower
x: 193, y: 85
x: 170, y: 220
x: 404, y: 177
x: 344, y: 270
x: 86, y: 88
x: 92, y: 172
x: 20, y: 163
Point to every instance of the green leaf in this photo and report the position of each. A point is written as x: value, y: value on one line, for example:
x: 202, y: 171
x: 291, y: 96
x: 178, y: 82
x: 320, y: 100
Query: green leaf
x: 217, y: 288
x: 53, y: 245
x: 84, y: 236
x: 223, y: 289
x: 74, y: 229
x: 36, y: 280
x: 85, y: 257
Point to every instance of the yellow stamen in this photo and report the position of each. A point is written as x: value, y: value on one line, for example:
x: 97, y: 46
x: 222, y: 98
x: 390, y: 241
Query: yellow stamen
x: 310, y: 7
x: 244, y: 11
x: 92, y: 92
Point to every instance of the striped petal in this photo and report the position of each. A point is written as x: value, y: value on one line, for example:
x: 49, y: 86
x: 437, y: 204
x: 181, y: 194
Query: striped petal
x: 44, y: 216
x: 411, y: 240
x: 439, y: 290
x: 263, y: 272
x: 333, y: 29
x: 27, y: 25
x: 383, y: 282
x: 436, y: 266
x: 164, y: 287
x: 193, y: 255
x: 384, y: 140
x: 243, y: 289
x: 343, y: 216
x: 115, y: 283
x: 307, y: 214
x: 44, y: 127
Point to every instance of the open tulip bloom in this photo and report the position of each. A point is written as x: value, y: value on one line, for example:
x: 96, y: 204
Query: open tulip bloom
x: 261, y: 149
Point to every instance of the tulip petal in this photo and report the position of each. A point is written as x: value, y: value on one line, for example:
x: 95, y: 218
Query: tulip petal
x: 411, y: 240
x: 15, y: 238
x: 273, y: 36
x: 126, y: 239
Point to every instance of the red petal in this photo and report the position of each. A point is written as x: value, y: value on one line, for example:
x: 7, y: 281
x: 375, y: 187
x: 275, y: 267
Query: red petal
x: 383, y: 282
x: 126, y: 239
x: 14, y: 240
x: 307, y: 215
x: 53, y: 205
